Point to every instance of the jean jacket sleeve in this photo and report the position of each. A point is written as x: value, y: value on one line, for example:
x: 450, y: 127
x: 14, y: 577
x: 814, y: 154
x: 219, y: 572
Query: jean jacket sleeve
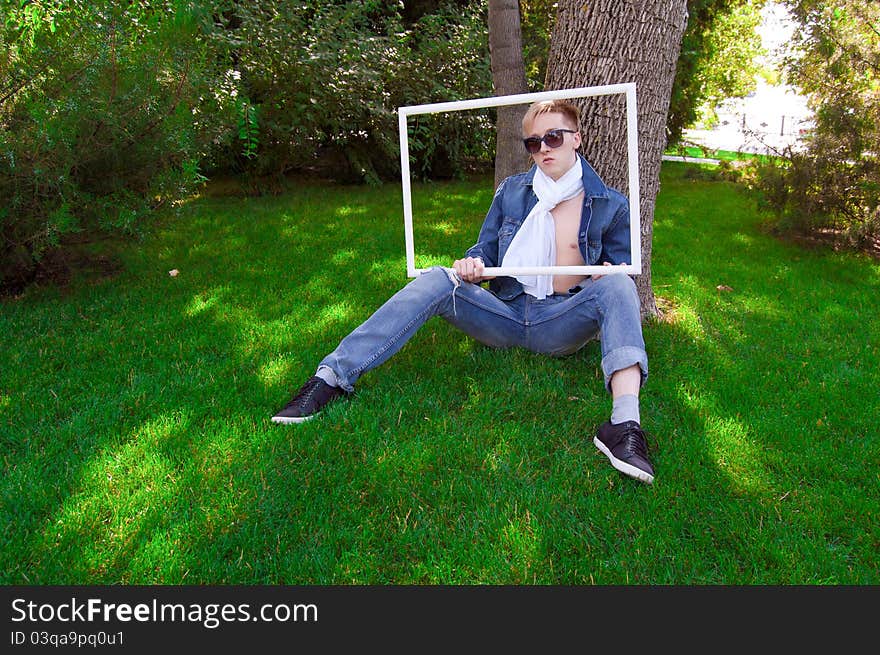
x: 486, y: 247
x: 616, y: 237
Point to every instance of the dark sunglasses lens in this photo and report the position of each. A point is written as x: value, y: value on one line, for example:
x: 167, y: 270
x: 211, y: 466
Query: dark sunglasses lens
x: 533, y: 144
x: 554, y: 139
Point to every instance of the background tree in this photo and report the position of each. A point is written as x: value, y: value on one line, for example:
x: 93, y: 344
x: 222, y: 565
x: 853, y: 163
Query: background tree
x: 832, y: 186
x: 608, y: 42
x: 325, y: 80
x: 717, y: 61
x: 508, y: 77
x: 537, y: 18
x: 106, y: 110
x: 109, y: 110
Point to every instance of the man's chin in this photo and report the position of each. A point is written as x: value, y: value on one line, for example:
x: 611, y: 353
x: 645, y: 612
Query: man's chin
x: 553, y: 170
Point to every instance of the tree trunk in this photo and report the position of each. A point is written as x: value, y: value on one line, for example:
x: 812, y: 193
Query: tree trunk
x: 611, y: 42
x: 508, y: 77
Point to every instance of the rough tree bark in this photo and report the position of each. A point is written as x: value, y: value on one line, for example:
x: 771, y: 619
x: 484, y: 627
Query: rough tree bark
x: 508, y: 78
x: 616, y: 41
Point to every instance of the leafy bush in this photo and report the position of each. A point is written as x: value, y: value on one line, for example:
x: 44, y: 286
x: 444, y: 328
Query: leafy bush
x: 106, y: 113
x: 810, y: 192
x: 326, y: 80
x: 833, y: 184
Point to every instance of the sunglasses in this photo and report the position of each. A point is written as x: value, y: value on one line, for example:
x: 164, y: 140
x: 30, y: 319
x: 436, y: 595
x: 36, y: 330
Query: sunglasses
x: 552, y: 138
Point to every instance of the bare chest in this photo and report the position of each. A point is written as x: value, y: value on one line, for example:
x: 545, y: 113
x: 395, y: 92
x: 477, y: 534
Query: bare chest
x: 567, y: 220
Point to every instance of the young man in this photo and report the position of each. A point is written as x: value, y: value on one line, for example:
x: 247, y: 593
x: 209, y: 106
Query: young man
x: 558, y: 213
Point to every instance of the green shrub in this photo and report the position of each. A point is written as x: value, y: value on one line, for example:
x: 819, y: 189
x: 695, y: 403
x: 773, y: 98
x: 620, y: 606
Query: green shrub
x: 812, y: 192
x: 833, y: 184
x: 326, y: 80
x: 108, y: 110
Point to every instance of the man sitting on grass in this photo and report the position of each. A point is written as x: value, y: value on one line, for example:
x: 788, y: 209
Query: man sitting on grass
x: 558, y: 213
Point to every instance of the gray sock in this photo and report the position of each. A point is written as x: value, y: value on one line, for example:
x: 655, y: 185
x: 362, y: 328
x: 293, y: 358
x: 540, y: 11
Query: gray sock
x: 326, y: 373
x: 625, y: 408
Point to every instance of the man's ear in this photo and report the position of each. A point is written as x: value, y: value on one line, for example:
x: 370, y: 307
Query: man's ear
x: 577, y: 140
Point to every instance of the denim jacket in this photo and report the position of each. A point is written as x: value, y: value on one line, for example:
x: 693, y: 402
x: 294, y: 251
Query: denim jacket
x: 603, y: 236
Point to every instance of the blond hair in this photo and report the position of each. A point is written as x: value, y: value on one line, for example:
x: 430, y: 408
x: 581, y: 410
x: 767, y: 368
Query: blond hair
x: 569, y: 111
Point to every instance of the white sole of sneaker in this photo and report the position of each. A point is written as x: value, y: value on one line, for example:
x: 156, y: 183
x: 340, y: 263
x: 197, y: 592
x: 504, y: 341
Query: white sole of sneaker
x: 623, y: 467
x: 285, y: 420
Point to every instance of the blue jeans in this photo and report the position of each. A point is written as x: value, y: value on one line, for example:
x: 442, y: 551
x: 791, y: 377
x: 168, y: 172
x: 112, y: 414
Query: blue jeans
x: 558, y: 325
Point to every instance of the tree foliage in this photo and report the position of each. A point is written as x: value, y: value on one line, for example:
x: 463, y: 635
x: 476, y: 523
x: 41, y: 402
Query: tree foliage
x: 108, y: 110
x: 537, y: 18
x: 834, y: 182
x: 717, y: 60
x: 325, y: 79
x: 105, y: 112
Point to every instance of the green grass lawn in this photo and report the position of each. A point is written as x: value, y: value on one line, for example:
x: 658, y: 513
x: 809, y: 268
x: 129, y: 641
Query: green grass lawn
x: 704, y: 152
x: 137, y: 446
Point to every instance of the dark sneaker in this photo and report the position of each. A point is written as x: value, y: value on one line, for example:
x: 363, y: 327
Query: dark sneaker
x: 625, y: 445
x: 308, y: 401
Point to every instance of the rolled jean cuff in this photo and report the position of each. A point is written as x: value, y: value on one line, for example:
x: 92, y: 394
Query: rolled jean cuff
x: 324, y: 372
x: 621, y: 358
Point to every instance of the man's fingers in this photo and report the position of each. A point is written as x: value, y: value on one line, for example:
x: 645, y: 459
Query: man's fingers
x: 598, y: 277
x: 469, y: 269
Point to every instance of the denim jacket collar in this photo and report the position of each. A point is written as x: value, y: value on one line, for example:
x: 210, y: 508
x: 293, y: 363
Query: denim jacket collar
x: 594, y: 187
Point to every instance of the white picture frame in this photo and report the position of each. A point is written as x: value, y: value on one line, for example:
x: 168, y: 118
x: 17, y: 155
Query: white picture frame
x: 628, y: 89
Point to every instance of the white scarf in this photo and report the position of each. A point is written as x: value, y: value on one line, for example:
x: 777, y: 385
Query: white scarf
x: 535, y: 242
